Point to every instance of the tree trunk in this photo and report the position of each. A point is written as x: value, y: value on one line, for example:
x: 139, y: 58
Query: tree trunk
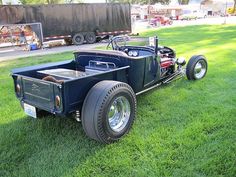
x: 234, y: 6
x: 183, y: 2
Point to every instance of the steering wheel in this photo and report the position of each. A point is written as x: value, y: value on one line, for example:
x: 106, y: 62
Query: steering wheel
x: 116, y: 42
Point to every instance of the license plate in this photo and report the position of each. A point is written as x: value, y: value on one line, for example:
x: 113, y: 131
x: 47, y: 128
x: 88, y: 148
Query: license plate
x: 30, y: 110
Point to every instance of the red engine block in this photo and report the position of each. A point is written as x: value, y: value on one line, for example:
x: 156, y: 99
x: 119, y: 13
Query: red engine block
x: 167, y: 62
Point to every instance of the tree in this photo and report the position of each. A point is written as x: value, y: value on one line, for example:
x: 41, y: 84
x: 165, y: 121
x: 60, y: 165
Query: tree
x: 140, y: 1
x: 234, y: 6
x: 31, y: 2
x: 54, y: 1
x: 73, y: 1
x: 183, y: 2
x: 206, y: 2
x: 48, y: 1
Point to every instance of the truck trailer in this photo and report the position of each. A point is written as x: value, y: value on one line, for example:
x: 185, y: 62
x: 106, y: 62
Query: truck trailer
x: 77, y: 23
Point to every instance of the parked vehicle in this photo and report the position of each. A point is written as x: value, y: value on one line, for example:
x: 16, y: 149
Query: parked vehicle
x: 188, y: 15
x: 100, y: 86
x: 160, y: 20
x: 75, y: 23
x: 200, y: 13
x: 193, y: 15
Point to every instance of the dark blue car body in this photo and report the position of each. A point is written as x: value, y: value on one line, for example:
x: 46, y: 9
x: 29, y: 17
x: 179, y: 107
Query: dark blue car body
x: 139, y: 72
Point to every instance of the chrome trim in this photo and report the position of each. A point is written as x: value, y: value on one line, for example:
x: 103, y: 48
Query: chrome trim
x: 150, y: 88
x: 177, y: 75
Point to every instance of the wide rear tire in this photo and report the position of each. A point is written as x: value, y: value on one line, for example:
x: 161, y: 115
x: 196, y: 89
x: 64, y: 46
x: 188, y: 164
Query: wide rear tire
x: 108, y: 111
x: 197, y: 67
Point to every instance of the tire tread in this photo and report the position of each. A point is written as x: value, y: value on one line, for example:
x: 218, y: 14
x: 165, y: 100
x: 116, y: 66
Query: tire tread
x: 96, y: 100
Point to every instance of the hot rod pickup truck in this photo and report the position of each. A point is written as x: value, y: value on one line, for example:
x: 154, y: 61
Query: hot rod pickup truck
x: 100, y: 86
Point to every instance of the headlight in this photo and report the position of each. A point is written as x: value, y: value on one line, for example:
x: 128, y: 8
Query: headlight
x: 181, y: 61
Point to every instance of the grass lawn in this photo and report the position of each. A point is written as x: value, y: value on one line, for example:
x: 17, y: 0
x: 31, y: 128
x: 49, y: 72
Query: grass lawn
x: 182, y: 129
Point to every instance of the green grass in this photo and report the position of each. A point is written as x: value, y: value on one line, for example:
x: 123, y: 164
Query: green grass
x: 182, y: 129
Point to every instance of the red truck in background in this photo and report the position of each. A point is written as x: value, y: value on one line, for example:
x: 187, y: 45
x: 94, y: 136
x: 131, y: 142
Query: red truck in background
x: 160, y: 20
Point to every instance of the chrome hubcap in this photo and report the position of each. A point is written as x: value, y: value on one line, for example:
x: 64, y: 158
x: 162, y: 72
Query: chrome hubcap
x: 119, y: 113
x: 200, y: 69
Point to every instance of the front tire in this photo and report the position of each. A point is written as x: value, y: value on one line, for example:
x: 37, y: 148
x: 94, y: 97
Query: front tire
x: 197, y: 67
x: 108, y: 111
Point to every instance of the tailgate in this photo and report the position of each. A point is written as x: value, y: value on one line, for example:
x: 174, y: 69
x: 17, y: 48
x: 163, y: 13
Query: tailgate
x: 40, y: 94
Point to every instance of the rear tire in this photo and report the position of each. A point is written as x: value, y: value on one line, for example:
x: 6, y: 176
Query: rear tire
x: 196, y: 67
x: 78, y: 39
x: 90, y: 37
x: 108, y: 111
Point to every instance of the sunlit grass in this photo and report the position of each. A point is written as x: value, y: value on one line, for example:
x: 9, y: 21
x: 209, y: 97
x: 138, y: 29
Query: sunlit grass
x: 182, y: 129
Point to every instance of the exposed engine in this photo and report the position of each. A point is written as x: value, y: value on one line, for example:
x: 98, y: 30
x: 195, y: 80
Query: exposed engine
x: 167, y: 61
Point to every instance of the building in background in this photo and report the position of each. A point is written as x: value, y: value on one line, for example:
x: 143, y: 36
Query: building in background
x: 174, y: 10
x: 216, y: 7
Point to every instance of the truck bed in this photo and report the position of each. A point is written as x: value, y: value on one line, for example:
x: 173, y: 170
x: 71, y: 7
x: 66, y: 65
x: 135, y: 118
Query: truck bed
x: 76, y: 81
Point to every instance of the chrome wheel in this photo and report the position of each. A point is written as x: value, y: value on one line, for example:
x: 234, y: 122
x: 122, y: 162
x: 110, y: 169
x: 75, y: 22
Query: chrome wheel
x: 119, y: 113
x: 200, y: 69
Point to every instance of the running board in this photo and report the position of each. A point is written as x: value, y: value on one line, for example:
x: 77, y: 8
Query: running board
x: 174, y: 76
x: 150, y: 88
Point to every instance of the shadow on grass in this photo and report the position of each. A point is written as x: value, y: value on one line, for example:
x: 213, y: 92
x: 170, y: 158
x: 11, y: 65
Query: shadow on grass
x: 50, y: 146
